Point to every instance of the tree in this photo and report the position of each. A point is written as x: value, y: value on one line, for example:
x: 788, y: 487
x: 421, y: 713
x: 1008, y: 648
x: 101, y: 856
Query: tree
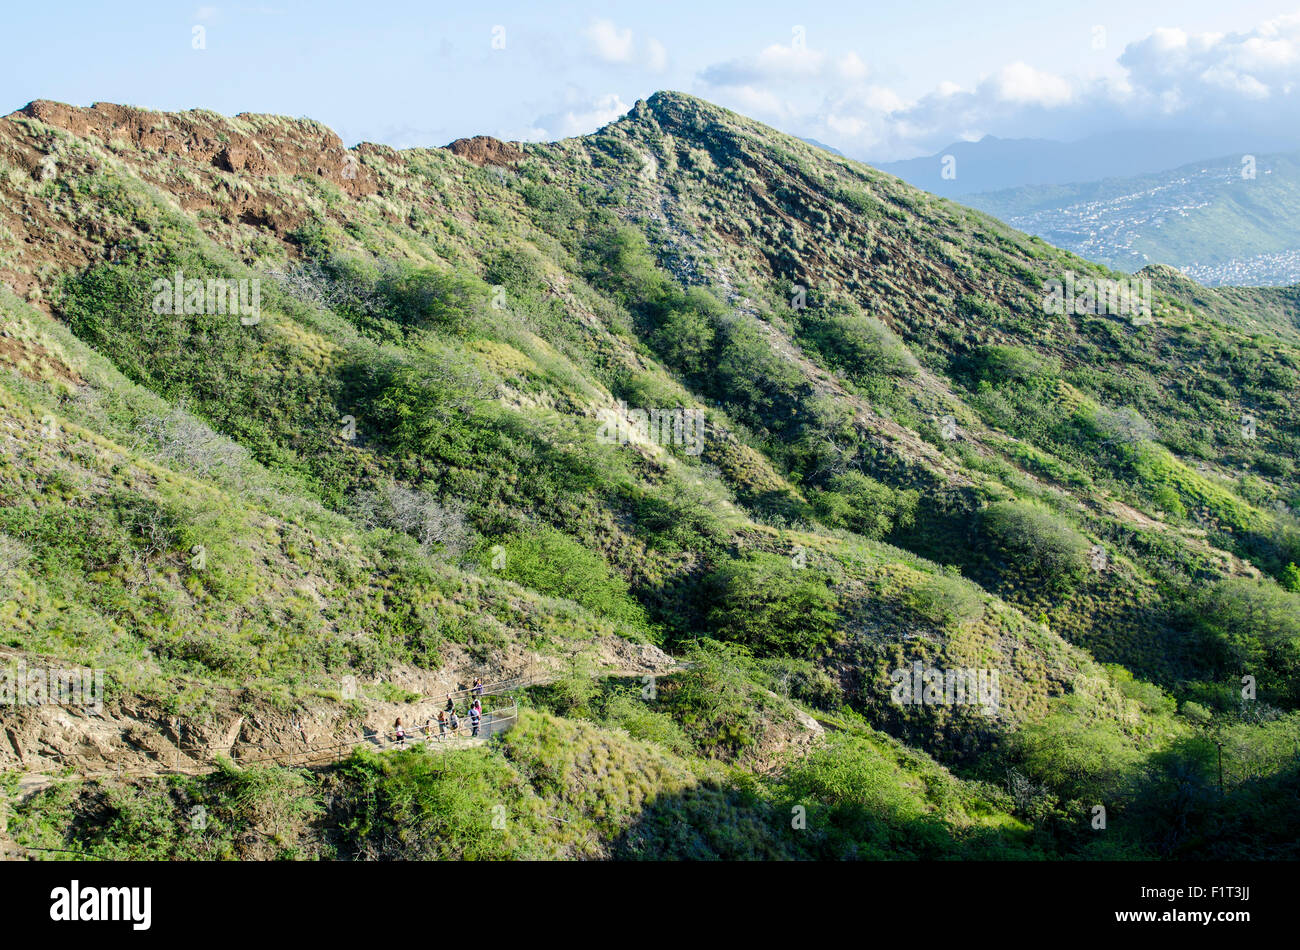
x: 684, y: 340
x: 414, y: 512
x: 1253, y: 627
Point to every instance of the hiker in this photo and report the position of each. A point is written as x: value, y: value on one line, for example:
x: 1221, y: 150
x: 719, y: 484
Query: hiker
x: 475, y: 712
x: 478, y: 686
x: 428, y: 729
x: 451, y: 706
x: 455, y: 723
x: 401, y: 733
x: 442, y: 724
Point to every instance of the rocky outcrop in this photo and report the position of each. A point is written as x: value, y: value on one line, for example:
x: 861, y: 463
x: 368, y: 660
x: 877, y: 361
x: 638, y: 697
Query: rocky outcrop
x: 274, y: 145
x: 485, y: 150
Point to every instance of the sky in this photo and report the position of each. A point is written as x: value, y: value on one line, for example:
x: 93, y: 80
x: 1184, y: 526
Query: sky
x: 879, y: 81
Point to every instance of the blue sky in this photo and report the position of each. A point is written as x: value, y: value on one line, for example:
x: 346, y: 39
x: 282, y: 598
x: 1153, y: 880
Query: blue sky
x: 877, y: 80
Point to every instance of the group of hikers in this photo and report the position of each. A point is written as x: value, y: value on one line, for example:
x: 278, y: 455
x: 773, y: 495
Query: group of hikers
x: 448, y: 719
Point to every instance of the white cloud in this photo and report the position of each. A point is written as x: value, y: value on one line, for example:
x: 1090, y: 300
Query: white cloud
x: 754, y: 100
x: 881, y: 99
x: 1246, y: 81
x: 1021, y: 83
x: 851, y: 67
x: 609, y: 44
x: 581, y: 117
x: 789, y: 60
x: 1249, y: 64
x: 656, y: 55
x: 774, y: 62
x: 1232, y: 81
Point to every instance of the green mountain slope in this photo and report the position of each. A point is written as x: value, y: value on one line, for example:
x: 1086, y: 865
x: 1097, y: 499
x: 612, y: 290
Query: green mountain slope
x: 1225, y: 221
x: 418, y: 460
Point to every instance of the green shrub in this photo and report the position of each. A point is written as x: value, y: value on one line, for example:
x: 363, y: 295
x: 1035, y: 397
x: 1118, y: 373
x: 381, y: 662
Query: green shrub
x: 431, y: 298
x: 862, y: 504
x: 684, y: 340
x: 771, y: 607
x: 314, y: 238
x: 1036, y: 544
x: 868, y: 802
x: 946, y: 600
x: 553, y: 563
x: 554, y: 211
x: 716, y: 700
x: 861, y: 345
x: 764, y: 387
x: 423, y: 806
x: 516, y: 268
x: 1253, y: 627
x: 1076, y: 753
x: 1002, y: 364
x: 627, y: 710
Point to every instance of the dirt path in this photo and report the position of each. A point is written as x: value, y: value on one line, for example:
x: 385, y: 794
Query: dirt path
x: 95, y: 749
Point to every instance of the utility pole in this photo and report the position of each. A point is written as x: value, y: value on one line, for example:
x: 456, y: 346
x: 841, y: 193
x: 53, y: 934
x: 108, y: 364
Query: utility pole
x: 1220, y: 746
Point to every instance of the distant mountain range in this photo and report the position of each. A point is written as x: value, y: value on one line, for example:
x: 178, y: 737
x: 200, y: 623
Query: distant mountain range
x: 1233, y: 220
x: 830, y: 148
x: 993, y: 164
